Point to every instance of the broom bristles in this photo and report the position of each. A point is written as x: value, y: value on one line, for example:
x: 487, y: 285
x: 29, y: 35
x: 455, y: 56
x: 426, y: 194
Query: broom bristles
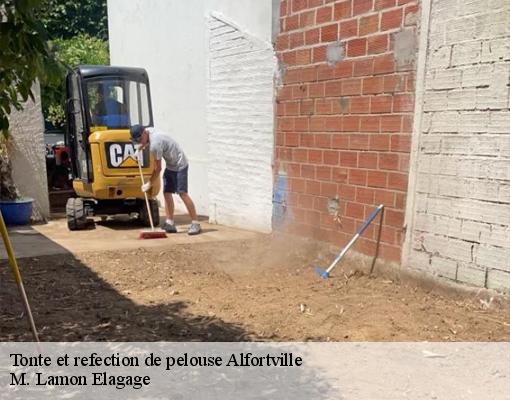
x: 152, y: 235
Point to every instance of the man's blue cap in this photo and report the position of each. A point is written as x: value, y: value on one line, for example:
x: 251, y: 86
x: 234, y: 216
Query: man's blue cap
x: 136, y: 132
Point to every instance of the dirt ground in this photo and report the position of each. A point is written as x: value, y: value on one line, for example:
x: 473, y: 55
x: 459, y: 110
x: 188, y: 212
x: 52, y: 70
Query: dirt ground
x: 263, y: 289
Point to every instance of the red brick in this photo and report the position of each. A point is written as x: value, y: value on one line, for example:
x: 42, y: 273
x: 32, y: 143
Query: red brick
x: 388, y: 161
x: 297, y: 185
x: 348, y: 159
x: 285, y: 93
x: 351, y: 87
x: 348, y: 29
x: 291, y: 76
x: 324, y: 14
x: 391, y: 123
x: 403, y: 2
x: 400, y: 200
x: 323, y: 140
x: 404, y: 163
x: 394, y: 83
x: 316, y: 90
x: 354, y: 210
x: 379, y: 142
x: 340, y: 141
x: 306, y: 107
x: 297, y: 40
x: 331, y: 157
x: 291, y: 108
x: 292, y: 23
x: 368, y: 24
x: 333, y: 124
x: 388, y: 234
x: 329, y: 189
x: 339, y: 175
x: 301, y: 124
x: 303, y: 56
x: 362, y: 6
x: 350, y: 124
x: 312, y: 217
x: 315, y: 3
x: 347, y: 192
x: 357, y: 177
x: 289, y: 57
x: 369, y: 123
x: 313, y: 188
x: 333, y: 88
x: 323, y: 106
x: 312, y: 36
x: 317, y: 123
x: 291, y: 139
x: 407, y: 123
x: 320, y: 203
x: 283, y: 8
x: 305, y: 201
x: 397, y: 181
x: 377, y: 179
x: 365, y: 196
x: 377, y: 44
x: 382, y: 4
x: 394, y: 218
x: 343, y: 10
x: 381, y: 104
x: 384, y: 64
x: 367, y: 160
x: 360, y: 105
x: 327, y: 220
x: 315, y: 156
x: 323, y: 173
x: 373, y: 85
x: 401, y: 143
x: 358, y: 142
x: 285, y: 124
x: 282, y: 42
x: 298, y: 5
x: 307, y: 19
x: 329, y: 33
x: 319, y: 54
x: 299, y: 155
x: 357, y: 47
x: 308, y: 171
x: 325, y: 72
x: 306, y: 140
x: 410, y: 83
x: 343, y: 69
x: 385, y: 197
x: 364, y: 67
x: 391, y: 19
x: 299, y: 91
x: 403, y: 103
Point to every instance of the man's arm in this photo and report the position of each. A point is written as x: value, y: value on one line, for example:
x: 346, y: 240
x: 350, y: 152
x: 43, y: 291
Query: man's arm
x: 155, y: 174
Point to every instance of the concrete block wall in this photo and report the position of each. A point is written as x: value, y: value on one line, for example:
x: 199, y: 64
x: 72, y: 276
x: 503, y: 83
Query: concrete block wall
x: 345, y: 104
x: 461, y: 207
x: 240, y: 126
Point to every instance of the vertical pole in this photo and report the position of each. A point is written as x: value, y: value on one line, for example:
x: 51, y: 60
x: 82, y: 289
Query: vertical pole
x: 17, y: 276
x: 378, y: 242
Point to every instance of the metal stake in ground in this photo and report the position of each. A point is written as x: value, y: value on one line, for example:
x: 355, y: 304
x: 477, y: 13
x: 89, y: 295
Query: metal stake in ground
x: 325, y: 273
x: 17, y: 276
x: 152, y: 234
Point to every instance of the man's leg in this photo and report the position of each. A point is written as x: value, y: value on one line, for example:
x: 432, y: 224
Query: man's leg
x: 169, y: 206
x: 190, y: 206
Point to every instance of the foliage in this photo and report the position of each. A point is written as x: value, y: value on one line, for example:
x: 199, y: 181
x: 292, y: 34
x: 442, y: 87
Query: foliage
x: 81, y: 49
x: 24, y: 56
x: 68, y: 18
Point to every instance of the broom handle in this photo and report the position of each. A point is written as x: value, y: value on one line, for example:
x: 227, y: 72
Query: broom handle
x: 145, y: 193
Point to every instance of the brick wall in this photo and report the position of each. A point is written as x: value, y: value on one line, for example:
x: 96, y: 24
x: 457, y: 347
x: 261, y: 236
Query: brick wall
x: 461, y: 228
x: 240, y: 126
x: 344, y: 117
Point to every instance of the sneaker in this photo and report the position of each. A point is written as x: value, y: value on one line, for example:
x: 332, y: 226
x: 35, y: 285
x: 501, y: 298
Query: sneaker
x: 194, y: 229
x: 168, y: 228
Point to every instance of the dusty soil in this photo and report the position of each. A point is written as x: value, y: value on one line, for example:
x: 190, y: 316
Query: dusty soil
x: 261, y: 289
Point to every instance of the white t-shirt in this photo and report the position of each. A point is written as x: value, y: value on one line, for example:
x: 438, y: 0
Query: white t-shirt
x: 163, y: 146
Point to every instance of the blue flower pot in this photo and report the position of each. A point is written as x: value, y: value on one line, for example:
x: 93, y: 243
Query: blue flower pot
x: 16, y: 212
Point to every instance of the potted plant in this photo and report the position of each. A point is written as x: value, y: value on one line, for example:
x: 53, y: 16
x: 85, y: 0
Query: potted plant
x: 15, y: 209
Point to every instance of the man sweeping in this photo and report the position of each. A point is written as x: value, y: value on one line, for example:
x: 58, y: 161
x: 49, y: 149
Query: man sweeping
x: 175, y: 177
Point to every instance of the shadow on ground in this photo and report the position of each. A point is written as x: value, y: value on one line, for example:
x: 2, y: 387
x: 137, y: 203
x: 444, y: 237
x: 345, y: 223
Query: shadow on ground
x: 72, y: 303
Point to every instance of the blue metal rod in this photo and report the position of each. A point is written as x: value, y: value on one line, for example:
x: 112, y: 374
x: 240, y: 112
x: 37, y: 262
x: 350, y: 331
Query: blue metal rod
x: 356, y: 237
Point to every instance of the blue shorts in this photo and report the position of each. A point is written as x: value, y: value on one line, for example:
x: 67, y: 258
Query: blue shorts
x: 175, y: 181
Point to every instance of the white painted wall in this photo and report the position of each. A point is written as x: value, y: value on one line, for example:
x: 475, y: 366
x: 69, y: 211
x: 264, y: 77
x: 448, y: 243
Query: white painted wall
x: 169, y: 39
x: 28, y: 154
x: 459, y: 196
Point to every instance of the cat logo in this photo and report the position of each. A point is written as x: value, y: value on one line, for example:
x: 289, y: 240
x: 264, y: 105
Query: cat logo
x: 122, y: 155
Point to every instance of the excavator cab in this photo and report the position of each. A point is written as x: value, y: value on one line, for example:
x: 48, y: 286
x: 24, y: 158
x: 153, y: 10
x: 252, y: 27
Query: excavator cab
x: 102, y: 103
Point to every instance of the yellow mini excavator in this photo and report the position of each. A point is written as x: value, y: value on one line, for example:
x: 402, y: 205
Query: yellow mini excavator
x: 102, y: 103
